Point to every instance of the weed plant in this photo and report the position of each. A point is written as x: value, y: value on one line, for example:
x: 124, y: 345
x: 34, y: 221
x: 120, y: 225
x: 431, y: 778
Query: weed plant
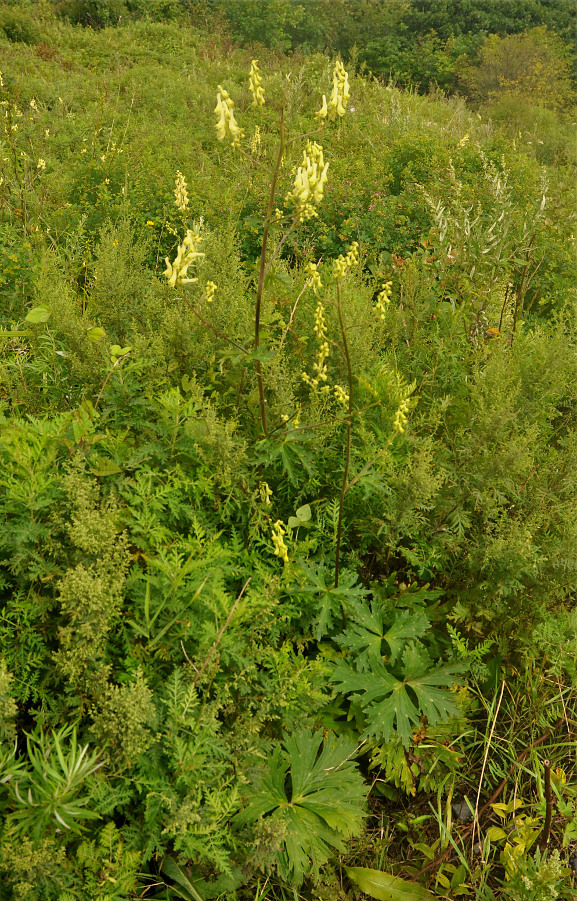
x: 287, y: 481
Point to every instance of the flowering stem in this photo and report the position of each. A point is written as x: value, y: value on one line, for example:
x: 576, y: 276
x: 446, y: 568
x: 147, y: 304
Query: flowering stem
x: 210, y: 326
x: 261, y: 275
x: 348, y: 439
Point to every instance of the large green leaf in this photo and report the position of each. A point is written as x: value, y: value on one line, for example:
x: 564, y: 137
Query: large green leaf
x: 314, y: 791
x: 385, y: 887
x: 395, y: 704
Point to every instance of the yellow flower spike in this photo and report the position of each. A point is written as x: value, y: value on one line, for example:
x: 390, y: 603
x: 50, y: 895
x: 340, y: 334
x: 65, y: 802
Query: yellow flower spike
x: 181, y: 192
x: 343, y: 264
x: 280, y: 548
x: 309, y: 182
x: 255, y: 81
x: 383, y: 299
x: 312, y: 273
x: 340, y: 94
x: 341, y: 395
x: 227, y: 124
x: 176, y: 273
x: 400, y: 419
x: 210, y: 290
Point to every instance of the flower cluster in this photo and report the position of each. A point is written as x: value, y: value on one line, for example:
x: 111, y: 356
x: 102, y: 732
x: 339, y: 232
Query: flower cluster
x: 280, y: 548
x: 181, y: 192
x: 312, y: 273
x: 339, y: 96
x: 383, y: 300
x: 187, y: 253
x: 400, y: 419
x: 342, y: 264
x: 341, y: 395
x: 227, y: 124
x: 320, y: 367
x: 309, y: 182
x: 254, y: 83
x: 210, y: 289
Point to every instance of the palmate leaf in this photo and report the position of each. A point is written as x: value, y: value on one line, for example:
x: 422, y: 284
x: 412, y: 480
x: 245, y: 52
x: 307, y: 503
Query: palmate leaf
x: 318, y: 583
x: 394, y: 705
x: 374, y: 635
x: 320, y: 805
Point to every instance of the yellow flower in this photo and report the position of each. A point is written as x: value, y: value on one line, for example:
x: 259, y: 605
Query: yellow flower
x: 181, y: 192
x: 149, y: 222
x: 400, y: 417
x: 227, y: 124
x: 340, y: 95
x: 41, y: 164
x: 383, y: 299
x: 187, y: 253
x: 309, y: 182
x: 342, y: 265
x: 209, y: 290
x: 255, y: 81
x: 280, y: 548
x: 320, y: 367
x: 312, y: 272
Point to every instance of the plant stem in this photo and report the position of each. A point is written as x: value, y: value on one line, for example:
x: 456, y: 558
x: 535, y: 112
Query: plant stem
x: 260, y: 288
x: 348, y: 439
x: 544, y: 837
x: 221, y: 633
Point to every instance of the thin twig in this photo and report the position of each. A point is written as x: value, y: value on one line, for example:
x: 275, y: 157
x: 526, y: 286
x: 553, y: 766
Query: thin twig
x: 221, y: 633
x: 260, y: 288
x: 115, y: 364
x: 348, y: 438
x: 209, y: 325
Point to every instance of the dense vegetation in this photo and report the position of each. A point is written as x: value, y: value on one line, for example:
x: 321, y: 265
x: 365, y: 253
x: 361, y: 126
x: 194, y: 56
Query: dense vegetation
x: 288, y: 454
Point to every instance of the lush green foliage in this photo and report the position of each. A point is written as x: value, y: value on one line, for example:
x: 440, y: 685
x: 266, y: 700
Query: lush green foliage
x: 287, y: 565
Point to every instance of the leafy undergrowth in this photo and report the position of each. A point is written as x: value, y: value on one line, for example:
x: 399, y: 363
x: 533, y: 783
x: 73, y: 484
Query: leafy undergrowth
x: 287, y: 480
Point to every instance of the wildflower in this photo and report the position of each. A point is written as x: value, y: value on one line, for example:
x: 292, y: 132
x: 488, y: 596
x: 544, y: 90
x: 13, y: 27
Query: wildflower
x: 187, y: 253
x: 309, y: 182
x: 278, y: 214
x: 320, y: 367
x: 181, y: 192
x: 401, y: 417
x: 41, y: 164
x: 255, y: 141
x: 149, y: 222
x: 265, y: 493
x: 342, y: 265
x: 1, y: 79
x: 255, y: 81
x: 463, y: 140
x: 46, y: 132
x: 209, y: 290
x: 33, y: 104
x: 341, y: 395
x: 383, y: 299
x: 280, y: 548
x: 312, y: 272
x: 339, y: 96
x: 227, y: 124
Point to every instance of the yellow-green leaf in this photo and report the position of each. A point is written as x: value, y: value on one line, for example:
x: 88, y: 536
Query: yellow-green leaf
x: 495, y: 833
x: 385, y: 887
x: 39, y: 314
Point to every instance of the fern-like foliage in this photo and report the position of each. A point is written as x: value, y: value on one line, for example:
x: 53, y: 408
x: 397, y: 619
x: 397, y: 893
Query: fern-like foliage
x: 315, y: 795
